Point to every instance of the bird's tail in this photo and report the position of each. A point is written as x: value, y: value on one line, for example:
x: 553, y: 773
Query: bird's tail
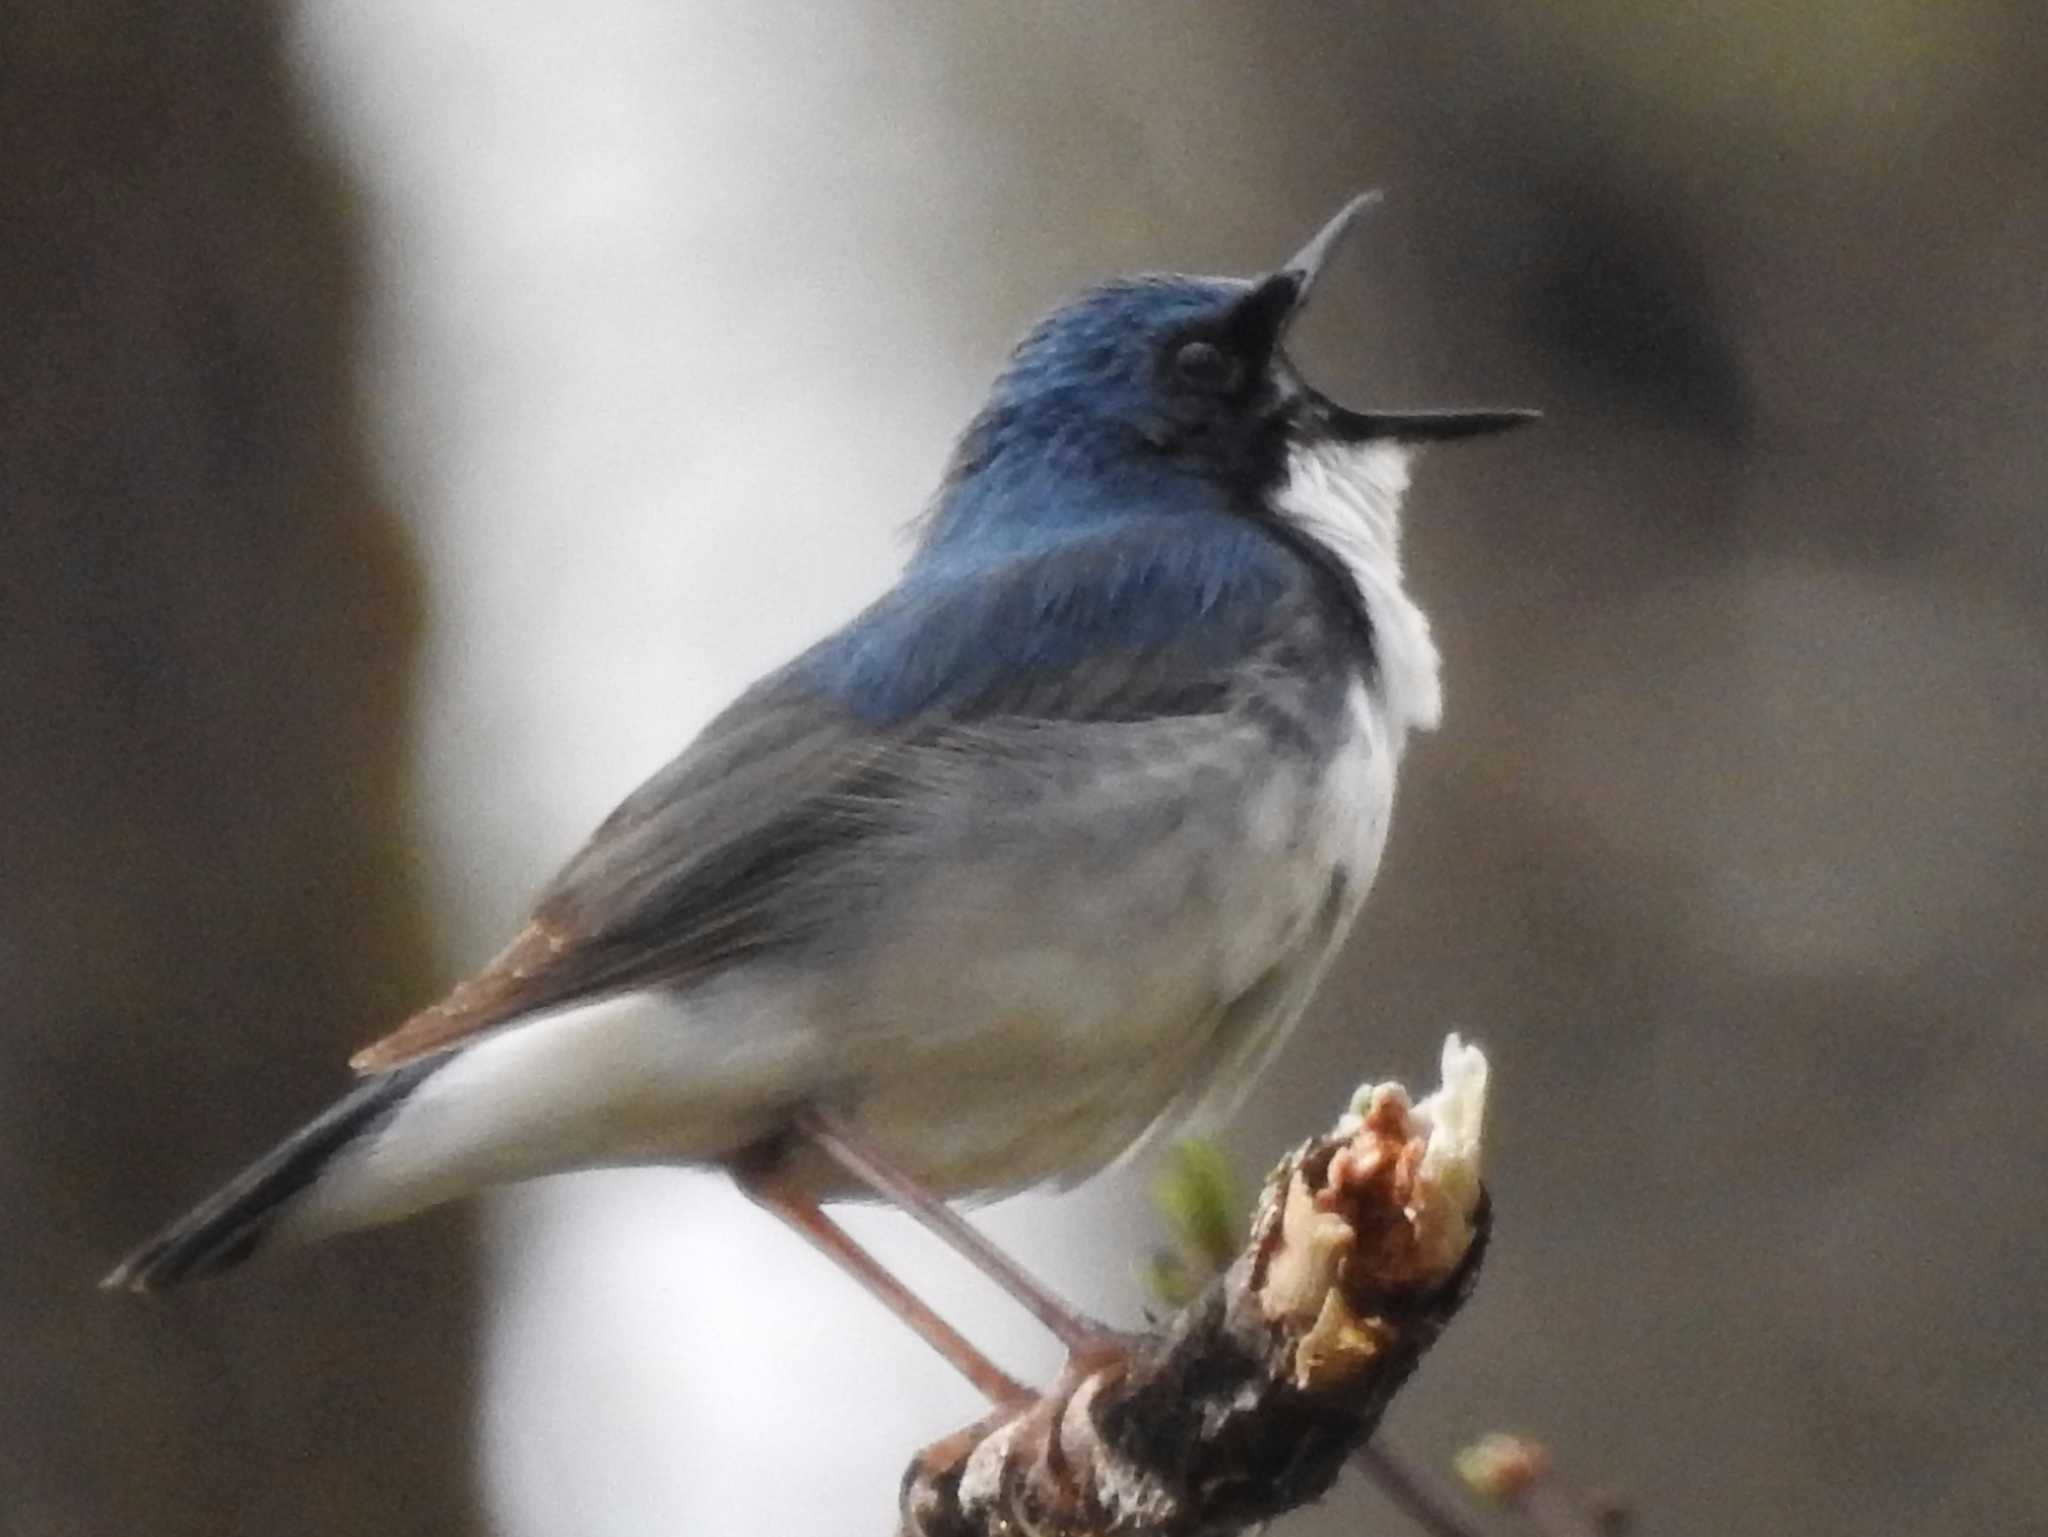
x: 228, y: 1226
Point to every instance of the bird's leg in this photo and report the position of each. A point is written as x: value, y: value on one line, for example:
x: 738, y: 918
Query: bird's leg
x: 1089, y: 1344
x: 830, y: 1239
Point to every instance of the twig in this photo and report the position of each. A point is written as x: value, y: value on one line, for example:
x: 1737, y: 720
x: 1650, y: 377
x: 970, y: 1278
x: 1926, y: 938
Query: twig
x: 1250, y: 1399
x: 1417, y: 1496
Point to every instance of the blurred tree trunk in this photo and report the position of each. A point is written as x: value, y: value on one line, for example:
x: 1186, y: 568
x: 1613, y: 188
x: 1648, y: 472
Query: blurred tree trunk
x: 205, y: 888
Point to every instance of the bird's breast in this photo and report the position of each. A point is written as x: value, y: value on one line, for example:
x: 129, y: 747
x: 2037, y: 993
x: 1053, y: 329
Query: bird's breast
x: 1041, y: 1002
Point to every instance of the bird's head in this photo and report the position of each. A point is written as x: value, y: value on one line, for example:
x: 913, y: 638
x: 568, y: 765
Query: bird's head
x: 1163, y: 391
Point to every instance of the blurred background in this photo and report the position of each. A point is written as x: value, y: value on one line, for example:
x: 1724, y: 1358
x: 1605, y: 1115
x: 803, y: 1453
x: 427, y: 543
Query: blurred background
x: 416, y: 418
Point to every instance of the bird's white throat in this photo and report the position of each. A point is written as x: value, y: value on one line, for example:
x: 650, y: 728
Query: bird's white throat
x: 1347, y: 497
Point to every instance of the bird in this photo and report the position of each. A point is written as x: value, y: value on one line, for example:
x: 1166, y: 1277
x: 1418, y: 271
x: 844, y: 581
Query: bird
x: 1041, y: 854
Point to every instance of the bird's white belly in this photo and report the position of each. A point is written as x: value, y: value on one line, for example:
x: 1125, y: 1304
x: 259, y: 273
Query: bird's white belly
x: 1041, y: 1036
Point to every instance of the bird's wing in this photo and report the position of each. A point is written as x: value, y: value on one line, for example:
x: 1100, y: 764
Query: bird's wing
x: 747, y: 842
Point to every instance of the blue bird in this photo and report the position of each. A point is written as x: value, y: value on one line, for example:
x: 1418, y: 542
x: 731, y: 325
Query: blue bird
x: 1043, y: 852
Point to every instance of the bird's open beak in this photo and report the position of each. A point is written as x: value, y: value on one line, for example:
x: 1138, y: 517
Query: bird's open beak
x: 1273, y: 303
x: 1306, y: 265
x: 1422, y: 426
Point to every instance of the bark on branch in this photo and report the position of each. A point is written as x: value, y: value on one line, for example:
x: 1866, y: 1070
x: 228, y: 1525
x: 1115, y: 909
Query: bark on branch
x: 1246, y: 1403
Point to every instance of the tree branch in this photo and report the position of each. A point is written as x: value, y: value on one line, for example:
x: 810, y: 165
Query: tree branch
x: 1247, y: 1403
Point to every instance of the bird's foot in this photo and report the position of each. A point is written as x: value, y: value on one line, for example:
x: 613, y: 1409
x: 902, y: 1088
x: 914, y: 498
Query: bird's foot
x: 1096, y: 1348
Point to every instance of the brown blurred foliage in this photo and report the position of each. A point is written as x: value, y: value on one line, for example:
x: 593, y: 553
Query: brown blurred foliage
x: 208, y: 622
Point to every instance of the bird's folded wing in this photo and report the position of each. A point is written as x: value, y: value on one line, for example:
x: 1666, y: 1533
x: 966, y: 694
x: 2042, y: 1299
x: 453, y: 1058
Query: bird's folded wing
x: 748, y: 842
x: 692, y: 871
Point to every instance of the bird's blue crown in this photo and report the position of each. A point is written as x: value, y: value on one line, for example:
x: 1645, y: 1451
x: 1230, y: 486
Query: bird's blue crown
x: 1091, y: 422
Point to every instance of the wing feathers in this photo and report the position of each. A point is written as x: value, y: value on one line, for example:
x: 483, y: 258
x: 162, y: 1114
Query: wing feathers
x: 498, y: 992
x: 748, y: 842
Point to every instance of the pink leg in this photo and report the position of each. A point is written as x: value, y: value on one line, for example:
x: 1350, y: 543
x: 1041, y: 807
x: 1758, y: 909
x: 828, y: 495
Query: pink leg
x: 830, y: 1239
x: 1086, y: 1340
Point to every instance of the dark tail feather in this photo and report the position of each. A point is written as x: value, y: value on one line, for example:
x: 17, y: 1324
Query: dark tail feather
x: 229, y: 1225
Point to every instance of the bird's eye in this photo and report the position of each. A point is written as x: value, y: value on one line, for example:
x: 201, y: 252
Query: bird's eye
x: 1205, y: 365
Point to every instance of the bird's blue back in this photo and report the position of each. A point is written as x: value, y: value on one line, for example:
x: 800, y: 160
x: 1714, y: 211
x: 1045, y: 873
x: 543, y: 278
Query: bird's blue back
x: 973, y: 632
